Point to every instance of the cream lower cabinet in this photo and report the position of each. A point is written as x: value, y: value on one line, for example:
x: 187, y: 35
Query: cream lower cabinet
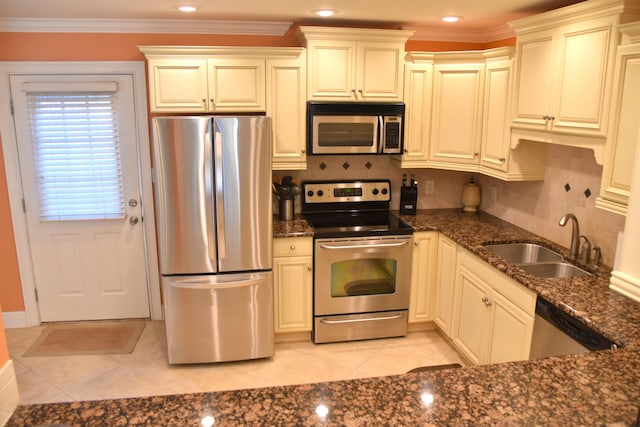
x: 287, y: 107
x: 624, y: 125
x: 492, y: 314
x: 293, y: 282
x: 445, y: 282
x: 423, y: 273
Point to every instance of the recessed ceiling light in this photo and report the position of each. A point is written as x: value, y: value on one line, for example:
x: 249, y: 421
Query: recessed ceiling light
x: 451, y: 18
x: 187, y: 8
x: 325, y: 13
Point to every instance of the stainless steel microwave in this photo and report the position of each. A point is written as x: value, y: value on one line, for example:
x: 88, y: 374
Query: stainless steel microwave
x: 355, y: 127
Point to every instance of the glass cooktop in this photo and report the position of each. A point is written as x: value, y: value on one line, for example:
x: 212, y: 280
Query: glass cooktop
x: 341, y: 224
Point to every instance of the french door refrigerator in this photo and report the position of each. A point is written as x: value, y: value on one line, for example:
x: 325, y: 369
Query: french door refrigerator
x: 212, y: 178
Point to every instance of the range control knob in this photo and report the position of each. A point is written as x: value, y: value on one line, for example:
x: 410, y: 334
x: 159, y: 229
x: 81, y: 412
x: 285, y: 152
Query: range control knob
x: 385, y: 191
x: 375, y: 191
x: 310, y: 193
x: 320, y: 193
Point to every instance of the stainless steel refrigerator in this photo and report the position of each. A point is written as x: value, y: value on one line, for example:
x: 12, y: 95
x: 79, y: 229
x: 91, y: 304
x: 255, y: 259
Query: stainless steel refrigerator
x: 212, y: 180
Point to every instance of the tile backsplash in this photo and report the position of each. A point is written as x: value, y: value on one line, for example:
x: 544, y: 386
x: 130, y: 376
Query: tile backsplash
x: 535, y: 206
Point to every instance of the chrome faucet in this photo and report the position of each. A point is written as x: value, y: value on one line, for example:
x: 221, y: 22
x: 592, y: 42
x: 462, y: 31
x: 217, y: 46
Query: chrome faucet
x: 574, y: 250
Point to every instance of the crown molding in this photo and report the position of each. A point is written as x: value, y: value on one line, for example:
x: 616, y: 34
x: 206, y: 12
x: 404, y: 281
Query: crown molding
x: 467, y: 36
x: 147, y: 26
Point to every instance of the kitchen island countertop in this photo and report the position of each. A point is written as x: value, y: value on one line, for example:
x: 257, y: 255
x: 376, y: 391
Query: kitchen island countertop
x: 598, y: 388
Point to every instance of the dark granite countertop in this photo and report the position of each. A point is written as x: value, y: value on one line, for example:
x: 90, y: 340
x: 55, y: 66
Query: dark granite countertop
x: 599, y: 388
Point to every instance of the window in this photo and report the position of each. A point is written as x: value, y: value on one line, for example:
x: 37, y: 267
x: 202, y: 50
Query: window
x: 76, y: 150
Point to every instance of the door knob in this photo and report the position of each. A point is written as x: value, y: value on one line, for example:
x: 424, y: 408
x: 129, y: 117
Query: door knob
x: 133, y: 220
x: 133, y: 203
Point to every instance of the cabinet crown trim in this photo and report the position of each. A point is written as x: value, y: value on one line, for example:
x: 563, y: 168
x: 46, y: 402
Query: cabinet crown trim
x: 157, y: 52
x: 306, y: 33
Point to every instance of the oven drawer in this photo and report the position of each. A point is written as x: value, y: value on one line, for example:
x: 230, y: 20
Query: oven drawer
x: 361, y: 326
x: 292, y: 246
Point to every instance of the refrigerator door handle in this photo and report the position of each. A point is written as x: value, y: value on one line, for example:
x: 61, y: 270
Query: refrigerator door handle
x: 208, y: 186
x: 217, y: 149
x: 204, y: 284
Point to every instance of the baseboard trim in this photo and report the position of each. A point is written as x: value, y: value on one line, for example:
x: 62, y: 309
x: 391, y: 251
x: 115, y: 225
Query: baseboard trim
x: 421, y: 326
x: 15, y: 319
x: 9, y: 397
x: 283, y: 337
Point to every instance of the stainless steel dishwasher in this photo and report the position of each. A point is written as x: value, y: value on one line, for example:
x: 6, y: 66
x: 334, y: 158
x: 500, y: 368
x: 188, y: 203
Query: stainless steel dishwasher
x: 556, y: 333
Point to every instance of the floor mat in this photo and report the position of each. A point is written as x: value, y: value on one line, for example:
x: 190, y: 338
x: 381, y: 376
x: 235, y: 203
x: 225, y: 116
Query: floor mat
x: 69, y: 339
x: 435, y: 367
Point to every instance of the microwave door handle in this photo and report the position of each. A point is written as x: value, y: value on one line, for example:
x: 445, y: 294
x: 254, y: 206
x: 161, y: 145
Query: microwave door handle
x: 380, y: 134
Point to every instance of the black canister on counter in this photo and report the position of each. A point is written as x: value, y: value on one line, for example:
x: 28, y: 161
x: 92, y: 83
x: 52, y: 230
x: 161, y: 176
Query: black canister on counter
x: 408, y: 196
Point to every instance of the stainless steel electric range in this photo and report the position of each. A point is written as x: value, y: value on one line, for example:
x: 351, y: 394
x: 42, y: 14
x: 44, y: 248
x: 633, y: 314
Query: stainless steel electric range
x: 362, y: 260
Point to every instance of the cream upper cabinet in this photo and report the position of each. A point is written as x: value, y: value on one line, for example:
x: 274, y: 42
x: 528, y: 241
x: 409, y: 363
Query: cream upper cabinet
x: 624, y: 126
x: 206, y: 85
x: 354, y: 64
x: 445, y: 282
x: 418, y: 84
x: 492, y: 314
x: 456, y: 114
x: 178, y: 85
x: 563, y: 73
x: 286, y: 105
x: 293, y: 281
x: 236, y: 85
x: 422, y: 302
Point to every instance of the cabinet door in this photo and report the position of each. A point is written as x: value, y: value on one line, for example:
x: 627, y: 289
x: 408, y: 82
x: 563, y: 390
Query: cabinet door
x: 178, y: 85
x: 423, y: 273
x: 534, y: 71
x: 379, y: 71
x: 585, y: 57
x: 286, y: 95
x: 417, y: 120
x: 495, y: 129
x: 331, y: 70
x: 237, y: 85
x: 457, y: 114
x: 511, y: 333
x: 445, y: 282
x: 473, y: 316
x: 623, y: 131
x: 293, y: 294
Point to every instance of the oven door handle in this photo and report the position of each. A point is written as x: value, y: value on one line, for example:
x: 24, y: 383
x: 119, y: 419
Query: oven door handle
x: 363, y: 319
x: 382, y: 245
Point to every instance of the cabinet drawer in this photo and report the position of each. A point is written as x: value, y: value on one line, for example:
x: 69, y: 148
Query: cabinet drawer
x: 513, y: 291
x: 292, y: 246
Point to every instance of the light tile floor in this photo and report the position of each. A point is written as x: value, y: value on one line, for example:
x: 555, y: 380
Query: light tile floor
x: 145, y: 371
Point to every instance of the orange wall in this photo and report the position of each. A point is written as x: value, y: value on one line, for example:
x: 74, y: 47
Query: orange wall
x: 119, y: 47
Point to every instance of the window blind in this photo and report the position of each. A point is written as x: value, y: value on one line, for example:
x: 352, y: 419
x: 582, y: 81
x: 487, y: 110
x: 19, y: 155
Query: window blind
x: 76, y: 152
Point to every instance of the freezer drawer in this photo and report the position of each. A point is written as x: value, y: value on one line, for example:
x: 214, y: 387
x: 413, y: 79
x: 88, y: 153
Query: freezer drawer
x: 219, y: 318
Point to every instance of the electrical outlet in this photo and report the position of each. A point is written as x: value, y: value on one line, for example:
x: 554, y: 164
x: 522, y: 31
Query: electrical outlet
x: 429, y: 187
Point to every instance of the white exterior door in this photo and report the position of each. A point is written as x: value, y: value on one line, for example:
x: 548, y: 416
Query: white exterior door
x: 82, y: 195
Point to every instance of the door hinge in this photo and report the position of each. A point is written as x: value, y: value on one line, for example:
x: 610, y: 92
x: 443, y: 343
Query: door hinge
x: 11, y: 106
x: 24, y: 206
x: 36, y: 292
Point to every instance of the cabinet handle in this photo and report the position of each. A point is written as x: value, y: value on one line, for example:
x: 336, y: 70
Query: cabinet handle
x: 303, y: 151
x: 415, y: 243
x: 502, y: 159
x: 476, y: 154
x: 406, y: 150
x: 486, y: 301
x: 552, y: 117
x: 308, y: 267
x: 204, y: 101
x: 292, y: 247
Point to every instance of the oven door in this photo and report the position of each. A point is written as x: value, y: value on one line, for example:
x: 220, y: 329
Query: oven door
x: 362, y: 275
x: 350, y: 134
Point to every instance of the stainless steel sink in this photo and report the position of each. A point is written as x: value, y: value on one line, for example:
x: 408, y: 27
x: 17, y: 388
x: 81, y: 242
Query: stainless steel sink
x: 523, y: 253
x: 554, y: 269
